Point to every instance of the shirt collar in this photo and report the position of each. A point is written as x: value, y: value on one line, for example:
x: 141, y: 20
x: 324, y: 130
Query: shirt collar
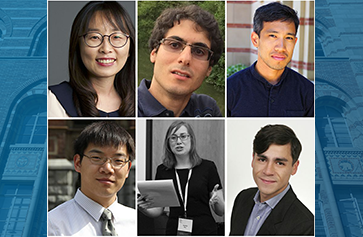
x: 272, y: 202
x: 91, y: 207
x: 151, y: 107
x: 263, y: 80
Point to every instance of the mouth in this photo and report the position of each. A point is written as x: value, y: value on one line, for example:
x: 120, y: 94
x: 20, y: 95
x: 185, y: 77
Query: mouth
x: 105, y: 181
x: 266, y: 181
x: 105, y: 61
x: 181, y: 74
x: 279, y: 57
x: 179, y: 148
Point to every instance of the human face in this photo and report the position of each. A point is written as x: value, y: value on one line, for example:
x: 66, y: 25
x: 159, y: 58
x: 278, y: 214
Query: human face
x: 180, y: 148
x: 275, y: 45
x: 101, y: 182
x: 272, y: 170
x: 104, y: 61
x: 179, y: 74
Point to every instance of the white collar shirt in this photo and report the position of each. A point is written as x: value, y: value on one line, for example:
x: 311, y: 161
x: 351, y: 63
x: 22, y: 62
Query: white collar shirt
x: 81, y: 215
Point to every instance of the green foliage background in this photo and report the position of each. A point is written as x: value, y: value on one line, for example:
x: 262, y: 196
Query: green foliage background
x: 148, y: 11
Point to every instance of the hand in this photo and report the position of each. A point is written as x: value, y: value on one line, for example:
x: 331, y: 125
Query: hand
x: 143, y: 202
x: 214, y: 197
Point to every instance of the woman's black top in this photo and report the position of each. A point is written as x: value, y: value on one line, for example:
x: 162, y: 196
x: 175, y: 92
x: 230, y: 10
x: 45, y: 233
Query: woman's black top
x: 203, y: 179
x: 64, y: 94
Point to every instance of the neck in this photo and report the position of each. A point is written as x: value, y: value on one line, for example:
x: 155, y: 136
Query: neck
x: 273, y: 76
x: 183, y: 162
x: 175, y: 103
x: 103, y: 201
x: 108, y: 98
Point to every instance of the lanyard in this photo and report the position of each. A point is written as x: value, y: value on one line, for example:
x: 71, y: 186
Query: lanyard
x: 185, y: 199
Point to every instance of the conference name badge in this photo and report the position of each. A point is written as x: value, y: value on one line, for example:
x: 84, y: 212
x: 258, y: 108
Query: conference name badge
x: 185, y: 226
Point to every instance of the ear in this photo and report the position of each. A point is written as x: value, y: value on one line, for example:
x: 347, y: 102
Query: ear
x: 253, y: 157
x: 255, y: 39
x: 128, y: 170
x: 295, y: 40
x: 77, y: 163
x: 153, y: 56
x: 209, y: 71
x: 294, y: 167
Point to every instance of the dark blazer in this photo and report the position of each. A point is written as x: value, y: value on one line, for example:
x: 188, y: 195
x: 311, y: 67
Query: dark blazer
x: 289, y: 217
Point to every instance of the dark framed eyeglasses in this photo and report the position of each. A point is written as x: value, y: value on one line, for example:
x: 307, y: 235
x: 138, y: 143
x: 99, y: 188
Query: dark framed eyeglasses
x: 95, y: 39
x: 183, y: 137
x: 176, y: 46
x: 116, y: 162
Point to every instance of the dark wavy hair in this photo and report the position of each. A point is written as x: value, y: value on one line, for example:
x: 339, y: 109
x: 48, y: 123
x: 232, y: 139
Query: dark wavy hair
x: 205, y: 21
x: 105, y: 133
x: 274, y: 11
x: 277, y: 134
x: 84, y: 95
x: 169, y: 159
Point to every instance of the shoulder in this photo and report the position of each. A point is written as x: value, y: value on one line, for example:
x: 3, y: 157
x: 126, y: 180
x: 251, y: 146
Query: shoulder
x: 62, y: 87
x: 61, y: 210
x: 249, y: 192
x: 55, y: 109
x: 295, y: 208
x: 300, y: 79
x: 201, y: 105
x: 208, y: 163
x: 126, y: 212
x: 240, y: 76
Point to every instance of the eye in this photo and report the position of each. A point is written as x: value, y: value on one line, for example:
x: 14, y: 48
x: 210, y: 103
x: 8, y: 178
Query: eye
x: 119, y: 160
x: 280, y: 163
x: 272, y: 36
x: 290, y: 38
x: 173, y: 138
x: 93, y: 36
x: 96, y: 158
x: 175, y: 45
x: 117, y: 37
x: 199, y: 51
x: 261, y: 159
x: 183, y: 136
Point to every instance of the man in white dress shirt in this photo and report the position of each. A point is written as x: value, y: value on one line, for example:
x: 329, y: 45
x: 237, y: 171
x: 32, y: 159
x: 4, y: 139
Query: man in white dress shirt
x: 103, y: 155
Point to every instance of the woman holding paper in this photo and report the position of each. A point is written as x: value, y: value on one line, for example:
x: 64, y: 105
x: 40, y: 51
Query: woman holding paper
x: 196, y: 182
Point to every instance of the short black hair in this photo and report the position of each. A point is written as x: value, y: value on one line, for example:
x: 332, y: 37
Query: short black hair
x: 274, y: 11
x: 277, y: 134
x: 105, y: 133
x: 203, y: 19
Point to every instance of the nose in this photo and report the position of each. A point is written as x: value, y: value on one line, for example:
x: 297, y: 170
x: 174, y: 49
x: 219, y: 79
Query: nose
x: 106, y: 46
x: 185, y: 55
x: 280, y: 45
x: 107, y: 167
x: 269, y: 169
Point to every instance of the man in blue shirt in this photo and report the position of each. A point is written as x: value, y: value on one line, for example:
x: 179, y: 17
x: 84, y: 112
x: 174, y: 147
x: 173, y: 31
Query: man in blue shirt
x: 269, y: 88
x: 272, y: 208
x: 185, y: 43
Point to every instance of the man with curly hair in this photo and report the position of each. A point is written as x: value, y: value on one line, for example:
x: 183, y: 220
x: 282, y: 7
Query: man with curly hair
x: 185, y: 43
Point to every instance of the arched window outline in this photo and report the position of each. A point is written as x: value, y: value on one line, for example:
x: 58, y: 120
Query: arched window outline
x: 332, y: 126
x: 27, y: 100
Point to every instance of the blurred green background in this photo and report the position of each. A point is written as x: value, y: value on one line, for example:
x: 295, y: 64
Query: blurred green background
x: 148, y: 11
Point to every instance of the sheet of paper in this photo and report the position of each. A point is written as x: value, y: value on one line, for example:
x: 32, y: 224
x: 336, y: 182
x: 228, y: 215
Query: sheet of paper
x: 162, y: 192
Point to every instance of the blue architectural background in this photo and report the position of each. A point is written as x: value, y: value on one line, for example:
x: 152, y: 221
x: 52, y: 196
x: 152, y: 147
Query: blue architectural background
x: 23, y: 121
x: 338, y: 117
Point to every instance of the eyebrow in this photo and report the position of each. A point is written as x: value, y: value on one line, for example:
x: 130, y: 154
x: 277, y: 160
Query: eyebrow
x: 200, y: 44
x: 279, y: 159
x: 98, y: 30
x: 276, y: 32
x: 102, y: 153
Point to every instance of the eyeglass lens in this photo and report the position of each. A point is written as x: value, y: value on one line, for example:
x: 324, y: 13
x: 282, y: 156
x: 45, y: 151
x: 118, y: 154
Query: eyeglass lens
x: 95, y: 39
x: 183, y: 137
x: 176, y: 46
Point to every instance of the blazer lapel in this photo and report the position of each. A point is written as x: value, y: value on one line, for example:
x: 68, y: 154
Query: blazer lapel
x: 273, y: 222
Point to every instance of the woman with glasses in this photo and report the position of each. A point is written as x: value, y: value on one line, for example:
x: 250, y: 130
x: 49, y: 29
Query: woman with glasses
x: 101, y: 65
x: 196, y: 182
